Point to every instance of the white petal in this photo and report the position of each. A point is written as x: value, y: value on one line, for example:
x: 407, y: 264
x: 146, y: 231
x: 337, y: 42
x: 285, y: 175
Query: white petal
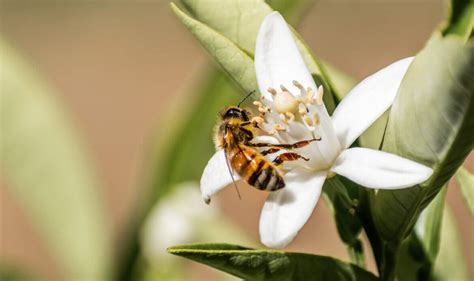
x: 265, y: 139
x: 378, y: 169
x: 287, y: 210
x: 216, y: 176
x: 328, y: 148
x: 277, y: 58
x: 367, y: 101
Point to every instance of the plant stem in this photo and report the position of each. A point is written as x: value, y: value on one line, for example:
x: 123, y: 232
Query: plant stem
x: 385, y: 253
x: 387, y: 268
x: 365, y: 216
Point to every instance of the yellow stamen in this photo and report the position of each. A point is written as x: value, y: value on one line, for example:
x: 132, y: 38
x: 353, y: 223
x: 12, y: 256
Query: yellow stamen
x: 319, y: 95
x: 316, y: 119
x: 290, y: 116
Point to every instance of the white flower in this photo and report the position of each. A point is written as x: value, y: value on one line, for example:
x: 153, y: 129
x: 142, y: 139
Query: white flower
x: 299, y: 114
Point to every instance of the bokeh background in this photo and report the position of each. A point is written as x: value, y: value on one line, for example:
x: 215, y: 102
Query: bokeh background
x: 119, y: 65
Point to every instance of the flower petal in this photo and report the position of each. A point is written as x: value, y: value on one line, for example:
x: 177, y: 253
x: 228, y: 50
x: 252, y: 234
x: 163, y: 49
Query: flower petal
x: 287, y: 210
x: 216, y: 176
x: 277, y: 58
x: 367, y: 101
x: 378, y: 169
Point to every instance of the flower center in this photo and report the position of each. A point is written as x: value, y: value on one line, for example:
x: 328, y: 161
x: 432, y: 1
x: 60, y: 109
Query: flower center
x: 293, y: 108
x: 292, y: 118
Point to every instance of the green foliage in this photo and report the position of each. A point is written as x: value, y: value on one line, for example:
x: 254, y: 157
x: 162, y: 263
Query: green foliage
x: 419, y: 251
x: 450, y: 263
x: 250, y: 264
x: 231, y: 58
x: 461, y: 19
x: 430, y: 122
x: 239, y: 21
x: 48, y: 172
x: 465, y: 182
x: 430, y: 225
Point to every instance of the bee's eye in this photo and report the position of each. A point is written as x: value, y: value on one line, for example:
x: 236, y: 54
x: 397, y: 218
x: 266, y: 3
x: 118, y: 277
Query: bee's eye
x: 233, y: 113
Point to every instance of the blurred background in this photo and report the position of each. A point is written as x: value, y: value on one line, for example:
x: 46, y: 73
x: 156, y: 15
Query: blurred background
x: 119, y: 66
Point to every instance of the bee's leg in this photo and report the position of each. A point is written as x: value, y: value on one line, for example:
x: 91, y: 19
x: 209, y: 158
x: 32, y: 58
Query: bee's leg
x: 285, y: 145
x: 289, y: 156
x: 270, y: 151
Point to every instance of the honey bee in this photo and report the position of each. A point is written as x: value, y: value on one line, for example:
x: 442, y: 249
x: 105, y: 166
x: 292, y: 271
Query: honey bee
x: 234, y: 134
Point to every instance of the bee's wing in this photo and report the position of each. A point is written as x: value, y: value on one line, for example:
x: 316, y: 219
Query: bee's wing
x: 231, y: 174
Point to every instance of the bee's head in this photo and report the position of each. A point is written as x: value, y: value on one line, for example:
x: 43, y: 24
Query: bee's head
x: 234, y: 112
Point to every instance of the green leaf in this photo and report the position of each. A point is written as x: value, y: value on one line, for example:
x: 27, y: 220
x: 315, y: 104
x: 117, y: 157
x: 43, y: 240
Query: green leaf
x: 465, y: 182
x: 250, y: 264
x: 240, y: 21
x: 428, y: 227
x: 229, y: 56
x: 431, y: 122
x: 294, y: 11
x: 461, y: 19
x: 450, y: 263
x: 343, y: 207
x: 342, y: 83
x: 48, y: 172
x: 418, y: 253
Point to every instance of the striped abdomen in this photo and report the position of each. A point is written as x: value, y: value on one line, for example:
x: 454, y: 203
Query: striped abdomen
x: 254, y: 168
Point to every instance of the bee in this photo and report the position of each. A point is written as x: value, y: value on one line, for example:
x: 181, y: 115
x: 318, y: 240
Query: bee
x: 234, y: 134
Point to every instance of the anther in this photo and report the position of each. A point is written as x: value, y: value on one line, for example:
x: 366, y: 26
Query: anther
x: 257, y: 120
x: 316, y: 119
x: 283, y: 88
x: 272, y: 91
x: 308, y: 120
x: 310, y: 96
x: 291, y: 116
x: 258, y: 103
x: 302, y: 109
x: 319, y: 95
x: 298, y: 85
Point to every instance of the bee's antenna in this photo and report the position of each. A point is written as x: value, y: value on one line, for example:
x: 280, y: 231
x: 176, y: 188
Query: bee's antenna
x: 248, y: 95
